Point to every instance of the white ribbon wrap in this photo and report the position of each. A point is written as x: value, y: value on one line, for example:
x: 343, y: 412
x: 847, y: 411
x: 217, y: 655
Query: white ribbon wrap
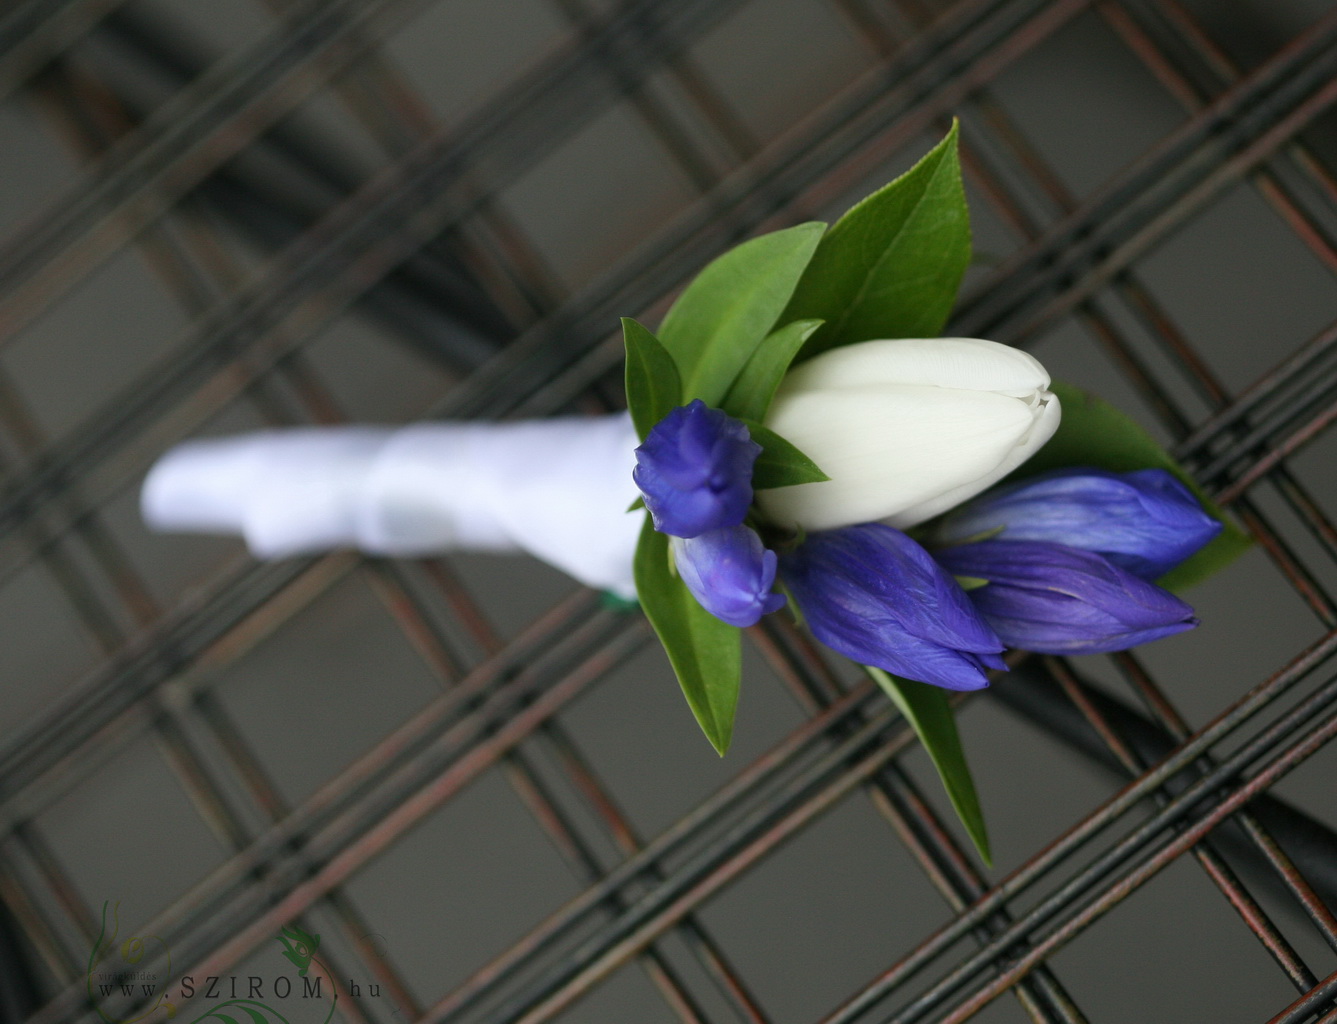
x: 557, y: 489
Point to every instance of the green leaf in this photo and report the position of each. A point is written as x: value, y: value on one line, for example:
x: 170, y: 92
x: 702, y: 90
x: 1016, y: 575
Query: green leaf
x: 891, y: 266
x: 928, y: 709
x: 751, y: 394
x: 721, y: 318
x: 706, y: 653
x: 780, y: 464
x: 1092, y: 432
x: 653, y: 386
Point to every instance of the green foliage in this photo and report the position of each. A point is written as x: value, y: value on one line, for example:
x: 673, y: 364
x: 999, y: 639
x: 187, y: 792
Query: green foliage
x: 723, y: 315
x: 928, y: 709
x: 780, y: 464
x: 890, y: 267
x: 1092, y: 432
x: 706, y: 653
x: 653, y: 387
x: 751, y: 395
x: 710, y: 335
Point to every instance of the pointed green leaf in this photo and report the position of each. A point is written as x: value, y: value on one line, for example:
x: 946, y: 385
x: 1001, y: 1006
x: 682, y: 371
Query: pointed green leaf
x: 706, y: 653
x: 751, y: 394
x: 1092, y: 432
x: 891, y: 266
x: 928, y: 709
x: 780, y: 464
x: 721, y: 318
x: 653, y: 387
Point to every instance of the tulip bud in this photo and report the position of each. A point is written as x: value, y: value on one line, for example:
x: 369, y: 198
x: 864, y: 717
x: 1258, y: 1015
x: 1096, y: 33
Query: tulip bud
x: 907, y: 429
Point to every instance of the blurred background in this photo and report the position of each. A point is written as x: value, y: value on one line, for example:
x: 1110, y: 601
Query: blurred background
x: 477, y: 782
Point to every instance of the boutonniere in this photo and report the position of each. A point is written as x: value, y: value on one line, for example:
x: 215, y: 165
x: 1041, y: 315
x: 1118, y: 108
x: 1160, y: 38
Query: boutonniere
x: 922, y: 504
x: 803, y: 443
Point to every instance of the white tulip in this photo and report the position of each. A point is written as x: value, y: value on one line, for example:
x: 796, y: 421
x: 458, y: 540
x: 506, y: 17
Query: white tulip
x: 907, y: 429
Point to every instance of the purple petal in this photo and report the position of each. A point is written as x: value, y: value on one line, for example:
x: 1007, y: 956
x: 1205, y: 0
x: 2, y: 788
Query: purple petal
x: 730, y: 573
x: 1146, y: 521
x: 876, y: 596
x: 1054, y: 599
x: 695, y: 471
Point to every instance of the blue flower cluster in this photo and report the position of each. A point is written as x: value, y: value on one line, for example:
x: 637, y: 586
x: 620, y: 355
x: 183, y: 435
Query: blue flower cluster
x: 1070, y: 557
x: 1059, y: 564
x: 695, y: 473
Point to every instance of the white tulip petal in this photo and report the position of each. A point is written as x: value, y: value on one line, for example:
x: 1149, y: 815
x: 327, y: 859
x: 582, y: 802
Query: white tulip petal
x: 1041, y: 431
x: 967, y: 363
x: 889, y: 448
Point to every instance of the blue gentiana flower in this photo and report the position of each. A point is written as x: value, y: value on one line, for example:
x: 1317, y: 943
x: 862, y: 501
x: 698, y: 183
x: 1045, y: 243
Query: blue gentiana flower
x: 1146, y: 521
x: 876, y: 596
x: 1055, y: 599
x: 730, y: 572
x: 695, y: 471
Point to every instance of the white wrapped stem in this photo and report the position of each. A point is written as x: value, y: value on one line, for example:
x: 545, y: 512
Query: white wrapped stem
x: 557, y: 489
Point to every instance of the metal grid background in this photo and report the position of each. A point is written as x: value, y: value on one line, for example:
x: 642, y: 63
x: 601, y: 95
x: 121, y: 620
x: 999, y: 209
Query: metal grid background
x: 476, y: 782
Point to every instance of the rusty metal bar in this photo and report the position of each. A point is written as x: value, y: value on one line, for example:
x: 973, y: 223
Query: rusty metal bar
x: 208, y: 121
x: 34, y: 32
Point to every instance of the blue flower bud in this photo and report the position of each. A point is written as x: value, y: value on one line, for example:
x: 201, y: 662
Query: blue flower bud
x: 730, y: 573
x: 695, y: 471
x: 1146, y: 522
x: 1054, y: 599
x: 874, y: 595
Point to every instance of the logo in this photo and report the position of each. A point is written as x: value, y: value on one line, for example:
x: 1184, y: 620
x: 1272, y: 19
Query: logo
x: 128, y: 982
